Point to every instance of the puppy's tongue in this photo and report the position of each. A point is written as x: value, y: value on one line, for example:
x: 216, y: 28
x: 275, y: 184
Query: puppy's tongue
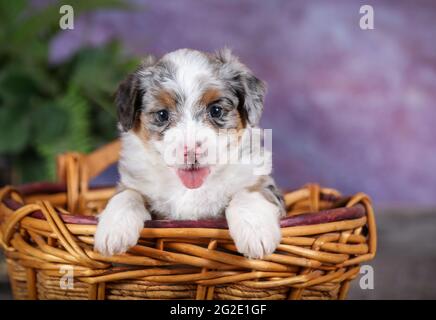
x: 193, y: 178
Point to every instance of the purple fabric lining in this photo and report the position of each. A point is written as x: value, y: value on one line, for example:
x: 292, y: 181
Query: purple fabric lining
x: 326, y: 216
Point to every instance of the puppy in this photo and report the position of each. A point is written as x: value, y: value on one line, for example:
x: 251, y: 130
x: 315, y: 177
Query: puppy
x: 173, y: 114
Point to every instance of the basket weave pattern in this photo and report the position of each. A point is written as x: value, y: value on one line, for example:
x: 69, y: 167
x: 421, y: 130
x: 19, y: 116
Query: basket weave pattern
x: 47, y: 227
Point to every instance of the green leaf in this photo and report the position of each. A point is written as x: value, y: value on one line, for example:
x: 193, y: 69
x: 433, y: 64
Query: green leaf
x: 15, y: 129
x: 77, y: 135
x: 30, y: 167
x: 49, y: 123
x: 9, y: 10
x: 48, y: 109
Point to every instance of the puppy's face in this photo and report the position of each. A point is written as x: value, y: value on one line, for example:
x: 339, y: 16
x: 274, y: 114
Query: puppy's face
x: 187, y: 106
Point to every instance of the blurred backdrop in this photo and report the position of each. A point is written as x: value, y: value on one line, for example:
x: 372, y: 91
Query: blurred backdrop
x: 349, y: 108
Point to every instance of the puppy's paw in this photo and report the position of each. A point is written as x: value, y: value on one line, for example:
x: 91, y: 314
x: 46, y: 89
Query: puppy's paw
x: 255, y: 240
x: 116, y: 237
x: 120, y: 225
x: 254, y: 227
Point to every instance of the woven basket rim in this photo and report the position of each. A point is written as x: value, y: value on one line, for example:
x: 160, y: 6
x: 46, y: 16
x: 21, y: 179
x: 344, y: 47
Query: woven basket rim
x: 310, y: 218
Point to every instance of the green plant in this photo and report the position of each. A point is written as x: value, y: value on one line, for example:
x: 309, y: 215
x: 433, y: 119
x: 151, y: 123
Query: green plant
x: 47, y: 109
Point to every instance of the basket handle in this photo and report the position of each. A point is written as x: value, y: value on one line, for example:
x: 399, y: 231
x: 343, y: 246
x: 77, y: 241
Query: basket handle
x: 76, y: 170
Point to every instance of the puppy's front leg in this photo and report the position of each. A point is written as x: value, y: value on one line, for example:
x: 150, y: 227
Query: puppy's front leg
x: 254, y: 223
x: 120, y: 223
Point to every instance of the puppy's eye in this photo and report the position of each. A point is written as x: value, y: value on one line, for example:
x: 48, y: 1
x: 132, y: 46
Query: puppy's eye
x: 162, y: 116
x: 215, y: 111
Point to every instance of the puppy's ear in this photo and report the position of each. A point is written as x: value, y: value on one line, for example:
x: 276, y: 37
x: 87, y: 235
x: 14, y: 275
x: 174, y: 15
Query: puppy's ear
x: 249, y: 89
x: 128, y: 98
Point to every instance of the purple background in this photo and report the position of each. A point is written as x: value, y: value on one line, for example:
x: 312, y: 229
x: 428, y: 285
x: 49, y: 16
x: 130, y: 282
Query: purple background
x: 350, y: 109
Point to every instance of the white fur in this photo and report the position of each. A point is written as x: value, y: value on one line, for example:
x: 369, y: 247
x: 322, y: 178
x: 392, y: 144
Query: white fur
x: 142, y: 168
x: 253, y: 224
x: 120, y: 223
x: 193, y: 70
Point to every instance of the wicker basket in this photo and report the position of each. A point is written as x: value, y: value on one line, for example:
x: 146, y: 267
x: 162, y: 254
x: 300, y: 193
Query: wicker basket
x: 46, y: 231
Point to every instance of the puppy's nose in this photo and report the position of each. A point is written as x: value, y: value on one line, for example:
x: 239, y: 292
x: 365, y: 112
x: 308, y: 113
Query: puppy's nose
x: 189, y: 150
x: 191, y: 154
